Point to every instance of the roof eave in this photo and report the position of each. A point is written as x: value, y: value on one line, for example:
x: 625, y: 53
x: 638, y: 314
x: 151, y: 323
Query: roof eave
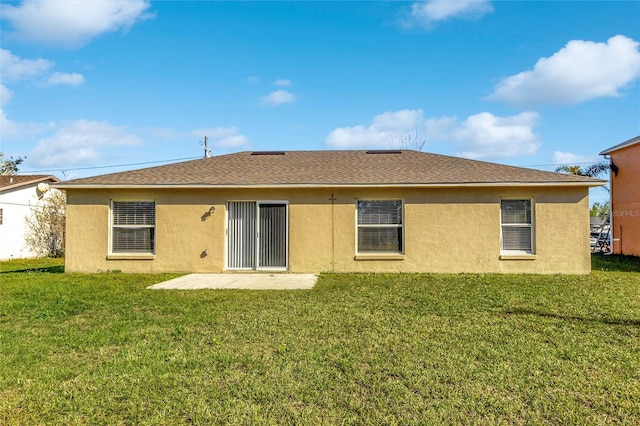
x: 622, y: 145
x: 592, y: 183
x: 51, y: 178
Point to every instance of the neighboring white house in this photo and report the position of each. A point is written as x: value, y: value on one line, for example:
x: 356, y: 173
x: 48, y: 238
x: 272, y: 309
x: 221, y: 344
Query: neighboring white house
x: 19, y: 195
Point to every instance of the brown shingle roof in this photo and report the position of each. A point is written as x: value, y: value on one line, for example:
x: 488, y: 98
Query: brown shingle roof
x: 330, y: 168
x: 15, y: 181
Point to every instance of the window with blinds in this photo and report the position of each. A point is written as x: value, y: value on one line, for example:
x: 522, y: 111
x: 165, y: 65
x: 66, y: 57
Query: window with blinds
x: 516, y: 220
x: 133, y: 227
x: 379, y: 226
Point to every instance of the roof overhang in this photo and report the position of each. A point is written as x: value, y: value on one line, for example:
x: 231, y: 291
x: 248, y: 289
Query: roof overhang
x: 594, y: 183
x: 624, y: 144
x: 51, y: 178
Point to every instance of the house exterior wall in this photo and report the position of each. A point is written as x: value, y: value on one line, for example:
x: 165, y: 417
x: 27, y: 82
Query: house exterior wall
x: 16, y: 204
x: 625, y: 200
x: 445, y: 230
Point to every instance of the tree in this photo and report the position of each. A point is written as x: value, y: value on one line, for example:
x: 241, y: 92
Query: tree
x: 45, y: 233
x: 593, y: 170
x: 9, y: 166
x: 600, y: 210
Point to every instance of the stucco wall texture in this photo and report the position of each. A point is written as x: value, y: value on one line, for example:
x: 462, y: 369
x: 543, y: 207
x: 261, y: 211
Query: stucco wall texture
x: 625, y: 200
x: 445, y: 230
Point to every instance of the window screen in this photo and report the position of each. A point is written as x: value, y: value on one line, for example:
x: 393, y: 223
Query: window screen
x: 133, y: 227
x: 517, y: 225
x: 380, y: 226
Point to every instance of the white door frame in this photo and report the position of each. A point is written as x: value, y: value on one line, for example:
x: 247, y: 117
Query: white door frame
x: 257, y: 237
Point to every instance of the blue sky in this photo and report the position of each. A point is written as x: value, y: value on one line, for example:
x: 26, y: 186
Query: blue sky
x: 88, y: 84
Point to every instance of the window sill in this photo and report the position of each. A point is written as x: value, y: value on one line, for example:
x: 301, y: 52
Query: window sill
x: 390, y: 256
x: 517, y: 257
x: 131, y: 257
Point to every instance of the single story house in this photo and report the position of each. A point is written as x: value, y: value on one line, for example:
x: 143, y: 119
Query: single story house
x: 625, y: 196
x: 19, y: 195
x: 322, y: 211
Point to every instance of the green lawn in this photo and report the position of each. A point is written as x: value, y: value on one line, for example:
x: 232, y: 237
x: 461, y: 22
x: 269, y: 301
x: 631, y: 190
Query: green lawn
x: 357, y: 349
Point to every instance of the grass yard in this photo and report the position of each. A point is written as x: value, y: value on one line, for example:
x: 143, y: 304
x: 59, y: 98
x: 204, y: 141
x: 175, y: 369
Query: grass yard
x: 357, y: 349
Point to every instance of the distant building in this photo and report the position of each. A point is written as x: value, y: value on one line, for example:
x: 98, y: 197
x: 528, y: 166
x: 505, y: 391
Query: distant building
x: 19, y: 195
x: 625, y: 196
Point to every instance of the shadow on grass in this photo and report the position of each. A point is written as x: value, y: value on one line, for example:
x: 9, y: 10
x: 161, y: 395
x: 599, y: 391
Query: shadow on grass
x: 615, y: 262
x: 58, y: 269
x: 608, y: 321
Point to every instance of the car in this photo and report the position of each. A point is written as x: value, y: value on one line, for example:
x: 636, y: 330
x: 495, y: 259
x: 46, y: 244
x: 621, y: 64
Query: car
x: 600, y: 241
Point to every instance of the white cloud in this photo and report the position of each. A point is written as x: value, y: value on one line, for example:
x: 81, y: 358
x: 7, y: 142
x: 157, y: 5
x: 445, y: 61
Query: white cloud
x: 10, y: 129
x: 281, y: 82
x: 235, y: 141
x: 427, y: 13
x: 561, y: 157
x: 61, y: 78
x: 219, y: 137
x: 481, y: 135
x: 580, y: 71
x: 72, y: 23
x: 384, y: 130
x: 80, y: 142
x: 278, y: 97
x: 253, y: 79
x: 439, y: 128
x: 5, y: 95
x: 14, y: 68
x: 485, y: 135
x: 223, y: 137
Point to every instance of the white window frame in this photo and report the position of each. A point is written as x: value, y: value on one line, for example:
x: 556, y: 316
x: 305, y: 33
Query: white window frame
x: 531, y: 227
x: 112, y: 226
x: 398, y: 225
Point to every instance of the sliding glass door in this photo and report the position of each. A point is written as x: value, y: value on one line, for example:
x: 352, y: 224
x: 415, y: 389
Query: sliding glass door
x: 257, y: 233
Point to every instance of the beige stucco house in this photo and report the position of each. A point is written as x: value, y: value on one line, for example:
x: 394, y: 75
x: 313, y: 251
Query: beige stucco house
x: 320, y: 211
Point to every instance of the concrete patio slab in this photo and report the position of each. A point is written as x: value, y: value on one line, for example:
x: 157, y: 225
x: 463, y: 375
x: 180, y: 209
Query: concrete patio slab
x: 239, y: 281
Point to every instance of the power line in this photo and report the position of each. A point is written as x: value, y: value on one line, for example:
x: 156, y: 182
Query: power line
x: 34, y: 206
x: 560, y: 164
x: 194, y: 158
x: 106, y: 167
